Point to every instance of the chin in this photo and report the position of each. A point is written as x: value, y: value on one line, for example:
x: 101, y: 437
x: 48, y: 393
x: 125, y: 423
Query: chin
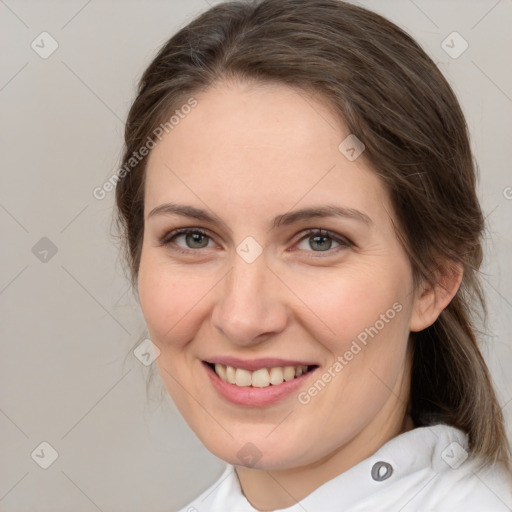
x: 256, y: 452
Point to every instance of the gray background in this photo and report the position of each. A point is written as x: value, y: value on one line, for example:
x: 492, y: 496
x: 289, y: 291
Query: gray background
x: 69, y: 318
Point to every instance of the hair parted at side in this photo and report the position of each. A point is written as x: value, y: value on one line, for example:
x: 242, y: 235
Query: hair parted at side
x: 389, y: 93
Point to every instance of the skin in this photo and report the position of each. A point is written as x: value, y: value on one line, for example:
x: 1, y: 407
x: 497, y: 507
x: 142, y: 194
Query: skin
x: 248, y: 153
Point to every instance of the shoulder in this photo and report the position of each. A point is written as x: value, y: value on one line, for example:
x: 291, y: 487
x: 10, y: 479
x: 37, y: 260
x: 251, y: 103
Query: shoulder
x: 475, y: 487
x: 429, y: 469
x: 435, y: 472
x: 463, y: 480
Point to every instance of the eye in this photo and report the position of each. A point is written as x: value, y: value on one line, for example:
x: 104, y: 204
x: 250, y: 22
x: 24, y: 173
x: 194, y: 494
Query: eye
x: 319, y: 240
x: 187, y: 239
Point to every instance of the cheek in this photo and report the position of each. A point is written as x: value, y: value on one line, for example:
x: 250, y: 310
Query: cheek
x: 348, y: 302
x: 373, y: 339
x: 363, y: 322
x: 170, y: 301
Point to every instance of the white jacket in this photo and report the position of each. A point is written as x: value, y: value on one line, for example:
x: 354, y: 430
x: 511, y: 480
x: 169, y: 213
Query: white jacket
x: 423, y: 470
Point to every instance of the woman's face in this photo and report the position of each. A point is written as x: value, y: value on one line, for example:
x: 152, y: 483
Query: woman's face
x: 254, y: 173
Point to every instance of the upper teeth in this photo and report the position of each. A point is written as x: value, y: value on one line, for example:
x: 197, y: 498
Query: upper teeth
x: 259, y: 378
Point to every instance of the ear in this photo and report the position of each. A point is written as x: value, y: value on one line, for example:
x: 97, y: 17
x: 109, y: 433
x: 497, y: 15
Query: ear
x: 434, y: 296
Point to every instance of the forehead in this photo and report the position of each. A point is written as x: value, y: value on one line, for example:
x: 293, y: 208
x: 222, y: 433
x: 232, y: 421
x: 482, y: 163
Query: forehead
x: 256, y: 148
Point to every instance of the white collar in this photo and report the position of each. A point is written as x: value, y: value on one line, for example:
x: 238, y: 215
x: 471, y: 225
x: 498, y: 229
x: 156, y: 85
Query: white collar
x: 424, y: 450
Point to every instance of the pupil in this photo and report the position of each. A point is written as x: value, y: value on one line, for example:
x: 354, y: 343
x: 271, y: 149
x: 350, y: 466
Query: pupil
x: 196, y: 240
x: 322, y: 243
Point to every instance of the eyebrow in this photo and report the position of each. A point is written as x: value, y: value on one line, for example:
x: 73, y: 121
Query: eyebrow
x: 285, y: 219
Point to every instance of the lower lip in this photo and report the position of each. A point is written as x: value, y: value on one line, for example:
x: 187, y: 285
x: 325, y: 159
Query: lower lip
x: 255, y: 397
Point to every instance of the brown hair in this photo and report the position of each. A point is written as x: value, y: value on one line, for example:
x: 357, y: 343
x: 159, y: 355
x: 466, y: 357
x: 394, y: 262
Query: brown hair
x: 393, y: 97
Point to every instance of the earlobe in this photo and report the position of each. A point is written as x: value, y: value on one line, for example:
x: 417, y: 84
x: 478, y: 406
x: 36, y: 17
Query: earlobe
x: 432, y: 299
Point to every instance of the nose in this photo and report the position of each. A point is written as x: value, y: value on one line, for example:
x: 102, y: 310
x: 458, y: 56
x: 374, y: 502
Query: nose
x: 251, y: 305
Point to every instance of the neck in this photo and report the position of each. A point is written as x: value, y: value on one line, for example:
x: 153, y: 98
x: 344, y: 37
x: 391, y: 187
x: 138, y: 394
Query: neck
x: 269, y: 490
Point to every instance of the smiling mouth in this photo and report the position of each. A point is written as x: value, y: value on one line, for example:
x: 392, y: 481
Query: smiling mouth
x: 261, y: 378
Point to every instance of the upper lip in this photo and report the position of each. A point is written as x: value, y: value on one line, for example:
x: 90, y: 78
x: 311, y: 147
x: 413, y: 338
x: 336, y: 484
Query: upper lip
x: 256, y: 364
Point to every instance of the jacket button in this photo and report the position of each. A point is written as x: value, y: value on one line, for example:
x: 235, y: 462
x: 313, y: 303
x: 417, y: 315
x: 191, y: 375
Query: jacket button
x: 381, y: 471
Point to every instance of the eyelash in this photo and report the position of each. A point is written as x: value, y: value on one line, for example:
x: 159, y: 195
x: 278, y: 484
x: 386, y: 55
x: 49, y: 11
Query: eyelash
x: 167, y: 239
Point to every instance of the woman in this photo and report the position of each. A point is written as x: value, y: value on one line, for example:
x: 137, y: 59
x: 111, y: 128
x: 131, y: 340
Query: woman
x: 301, y: 224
